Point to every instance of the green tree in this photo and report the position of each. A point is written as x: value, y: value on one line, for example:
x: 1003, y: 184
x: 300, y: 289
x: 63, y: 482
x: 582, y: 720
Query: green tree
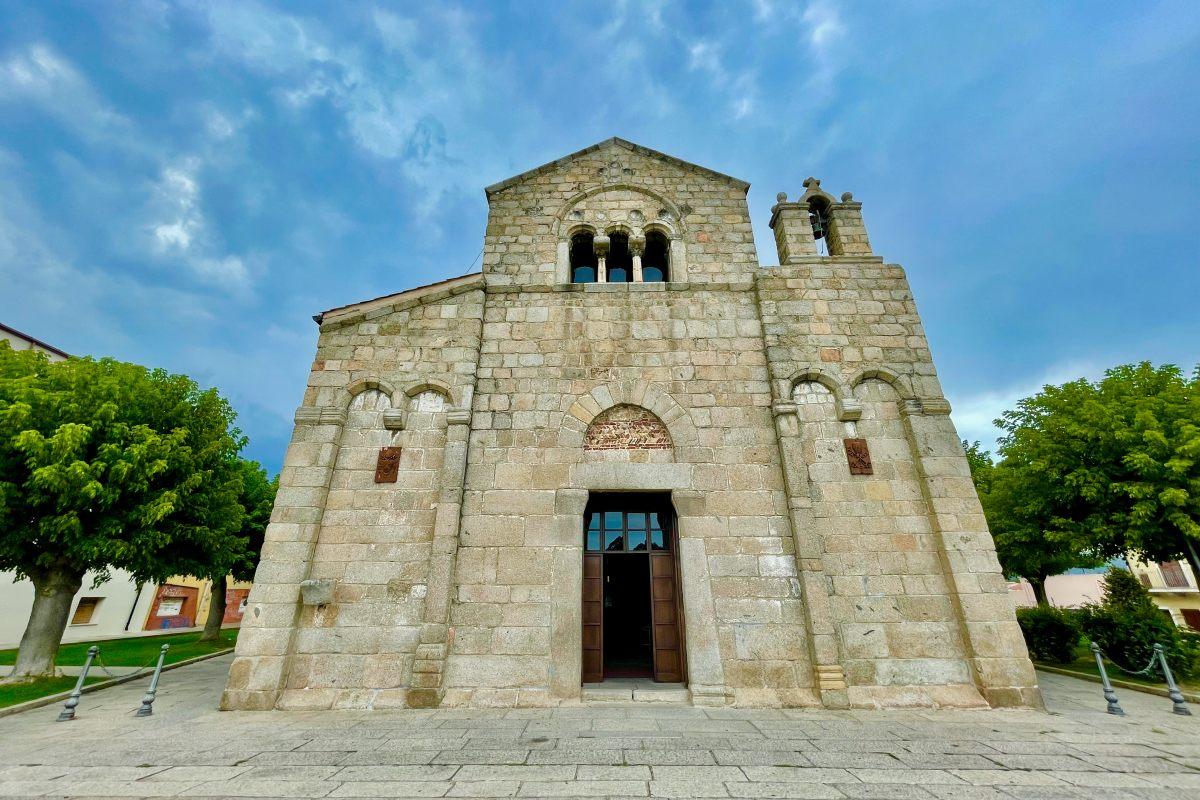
x: 1113, y: 466
x: 257, y: 498
x: 106, y: 465
x: 1025, y: 544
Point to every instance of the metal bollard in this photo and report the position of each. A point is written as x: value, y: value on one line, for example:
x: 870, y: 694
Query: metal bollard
x: 148, y: 701
x: 1113, y: 706
x: 68, y: 712
x: 1173, y: 692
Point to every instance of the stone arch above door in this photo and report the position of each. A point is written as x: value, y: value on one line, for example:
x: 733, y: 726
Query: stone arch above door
x: 647, y: 396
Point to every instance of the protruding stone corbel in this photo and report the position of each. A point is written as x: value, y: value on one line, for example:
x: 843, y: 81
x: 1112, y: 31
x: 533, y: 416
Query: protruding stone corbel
x: 849, y: 409
x: 783, y: 407
x: 309, y: 415
x: 458, y: 416
x: 394, y: 419
x: 930, y: 406
x: 316, y: 592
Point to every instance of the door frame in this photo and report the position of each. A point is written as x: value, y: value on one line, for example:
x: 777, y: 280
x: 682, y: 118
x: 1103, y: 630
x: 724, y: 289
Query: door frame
x: 664, y: 501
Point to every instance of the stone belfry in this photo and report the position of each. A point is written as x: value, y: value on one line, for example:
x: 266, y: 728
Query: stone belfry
x: 627, y: 454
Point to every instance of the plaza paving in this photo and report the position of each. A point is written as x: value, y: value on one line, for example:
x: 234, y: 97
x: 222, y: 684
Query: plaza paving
x: 189, y: 749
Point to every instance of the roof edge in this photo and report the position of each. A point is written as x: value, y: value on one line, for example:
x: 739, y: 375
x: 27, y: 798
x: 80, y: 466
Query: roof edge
x: 617, y: 140
x: 414, y: 293
x: 34, y: 341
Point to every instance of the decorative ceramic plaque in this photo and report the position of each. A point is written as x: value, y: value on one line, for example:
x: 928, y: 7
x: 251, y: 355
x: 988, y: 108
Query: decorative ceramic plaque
x: 859, y: 456
x: 387, y: 468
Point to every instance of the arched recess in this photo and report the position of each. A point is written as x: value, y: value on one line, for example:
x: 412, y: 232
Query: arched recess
x: 898, y: 382
x: 432, y: 385
x: 674, y: 225
x: 629, y: 431
x: 813, y: 375
x: 356, y: 388
x: 647, y: 395
x: 658, y: 213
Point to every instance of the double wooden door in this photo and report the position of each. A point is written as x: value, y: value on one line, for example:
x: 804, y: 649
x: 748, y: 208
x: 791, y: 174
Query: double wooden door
x: 631, y: 539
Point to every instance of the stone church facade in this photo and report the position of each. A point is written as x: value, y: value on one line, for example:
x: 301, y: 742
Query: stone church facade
x: 626, y: 449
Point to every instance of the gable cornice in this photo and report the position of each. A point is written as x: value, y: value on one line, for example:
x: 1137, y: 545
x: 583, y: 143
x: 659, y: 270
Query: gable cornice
x: 618, y: 142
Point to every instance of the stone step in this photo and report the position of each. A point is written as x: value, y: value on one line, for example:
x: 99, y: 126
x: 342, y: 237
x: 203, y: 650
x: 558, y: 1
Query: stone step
x: 635, y: 691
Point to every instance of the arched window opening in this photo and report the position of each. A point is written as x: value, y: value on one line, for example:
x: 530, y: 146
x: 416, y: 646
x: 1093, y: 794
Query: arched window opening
x: 620, y: 260
x: 656, y: 261
x: 818, y: 217
x: 583, y: 258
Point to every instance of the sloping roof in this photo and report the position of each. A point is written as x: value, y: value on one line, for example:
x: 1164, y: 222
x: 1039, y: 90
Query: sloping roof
x: 35, y: 342
x: 415, y: 293
x: 619, y: 142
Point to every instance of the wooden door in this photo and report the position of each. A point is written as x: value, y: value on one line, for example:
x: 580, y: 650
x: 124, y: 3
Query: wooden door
x: 593, y: 618
x: 664, y: 611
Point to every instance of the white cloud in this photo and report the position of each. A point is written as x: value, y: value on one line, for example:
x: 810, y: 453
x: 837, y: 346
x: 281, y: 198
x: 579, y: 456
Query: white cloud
x: 824, y: 25
x: 183, y: 235
x: 42, y: 77
x: 974, y: 413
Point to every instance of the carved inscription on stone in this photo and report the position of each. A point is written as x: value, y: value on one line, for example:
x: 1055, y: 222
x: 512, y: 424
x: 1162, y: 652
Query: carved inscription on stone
x: 627, y: 428
x: 859, y: 456
x: 387, y: 468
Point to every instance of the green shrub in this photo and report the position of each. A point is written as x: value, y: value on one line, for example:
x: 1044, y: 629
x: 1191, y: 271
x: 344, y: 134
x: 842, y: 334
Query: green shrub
x: 1050, y: 633
x: 1126, y: 625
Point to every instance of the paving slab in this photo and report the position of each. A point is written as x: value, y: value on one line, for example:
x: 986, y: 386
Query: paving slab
x: 611, y: 750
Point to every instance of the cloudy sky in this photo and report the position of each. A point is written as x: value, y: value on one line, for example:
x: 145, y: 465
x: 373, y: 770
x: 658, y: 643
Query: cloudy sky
x: 185, y: 184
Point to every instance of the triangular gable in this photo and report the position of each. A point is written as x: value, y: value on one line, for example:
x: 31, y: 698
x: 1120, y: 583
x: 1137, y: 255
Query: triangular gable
x: 619, y: 142
x: 428, y: 293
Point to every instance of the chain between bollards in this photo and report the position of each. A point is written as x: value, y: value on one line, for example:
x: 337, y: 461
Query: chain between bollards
x: 1179, y: 707
x: 148, y: 701
x: 68, y: 712
x: 1113, y: 706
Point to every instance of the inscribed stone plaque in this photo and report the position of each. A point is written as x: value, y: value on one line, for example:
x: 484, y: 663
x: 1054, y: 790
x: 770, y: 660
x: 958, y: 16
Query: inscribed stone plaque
x: 859, y: 456
x: 387, y: 468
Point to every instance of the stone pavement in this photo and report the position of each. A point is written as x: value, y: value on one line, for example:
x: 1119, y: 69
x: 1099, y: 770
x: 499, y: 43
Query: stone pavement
x: 188, y: 749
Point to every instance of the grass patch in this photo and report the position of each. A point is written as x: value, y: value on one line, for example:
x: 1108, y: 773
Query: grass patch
x: 1085, y: 662
x: 13, y: 693
x: 138, y: 651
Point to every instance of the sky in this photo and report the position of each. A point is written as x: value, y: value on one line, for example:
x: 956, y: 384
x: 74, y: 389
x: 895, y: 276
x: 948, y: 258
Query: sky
x: 184, y: 184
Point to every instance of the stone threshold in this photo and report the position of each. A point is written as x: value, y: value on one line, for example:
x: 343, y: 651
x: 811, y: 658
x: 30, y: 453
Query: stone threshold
x: 635, y: 690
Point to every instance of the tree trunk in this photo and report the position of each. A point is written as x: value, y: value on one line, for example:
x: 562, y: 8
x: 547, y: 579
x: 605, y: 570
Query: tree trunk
x: 53, y: 593
x: 1039, y: 590
x: 216, y: 611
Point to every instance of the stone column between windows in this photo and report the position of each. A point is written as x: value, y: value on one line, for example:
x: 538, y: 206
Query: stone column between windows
x: 600, y: 245
x: 637, y: 246
x: 992, y: 640
x: 267, y: 640
x: 429, y: 665
x: 809, y: 542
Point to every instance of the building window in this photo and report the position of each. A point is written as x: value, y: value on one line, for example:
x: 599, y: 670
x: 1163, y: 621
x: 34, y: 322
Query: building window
x: 1191, y: 618
x: 85, y: 610
x: 656, y: 261
x: 1173, y: 575
x: 622, y: 531
x: 583, y: 258
x: 620, y: 260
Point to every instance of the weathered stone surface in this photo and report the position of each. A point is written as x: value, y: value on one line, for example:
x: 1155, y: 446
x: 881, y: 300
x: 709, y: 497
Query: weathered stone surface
x: 512, y: 395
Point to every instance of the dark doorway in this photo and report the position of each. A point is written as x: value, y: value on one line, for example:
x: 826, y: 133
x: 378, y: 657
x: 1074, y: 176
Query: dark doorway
x: 627, y: 647
x: 632, y: 625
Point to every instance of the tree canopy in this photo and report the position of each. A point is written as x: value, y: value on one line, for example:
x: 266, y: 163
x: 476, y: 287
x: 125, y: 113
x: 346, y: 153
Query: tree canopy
x: 1112, y: 466
x: 106, y: 464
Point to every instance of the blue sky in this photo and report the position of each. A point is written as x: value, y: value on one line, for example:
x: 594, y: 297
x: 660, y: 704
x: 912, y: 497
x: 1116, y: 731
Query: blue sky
x: 185, y: 184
